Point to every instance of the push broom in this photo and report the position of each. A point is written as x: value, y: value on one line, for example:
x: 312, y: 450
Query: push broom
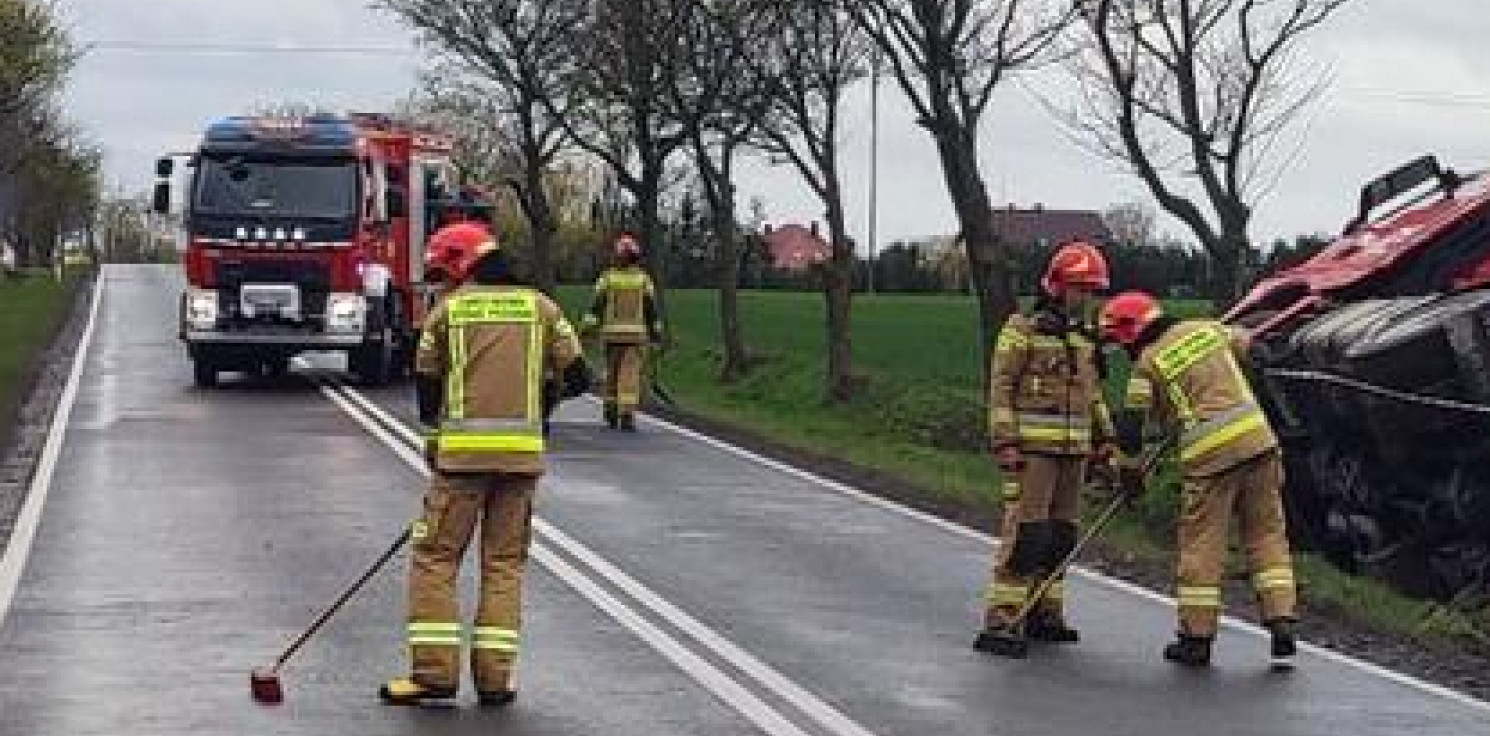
x: 264, y: 682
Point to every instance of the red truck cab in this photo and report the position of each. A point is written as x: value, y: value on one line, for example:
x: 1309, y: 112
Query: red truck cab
x: 307, y: 235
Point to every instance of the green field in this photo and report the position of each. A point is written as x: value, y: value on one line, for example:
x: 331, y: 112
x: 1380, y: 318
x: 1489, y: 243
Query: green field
x: 918, y: 418
x: 31, y: 309
x: 917, y: 367
x: 918, y: 412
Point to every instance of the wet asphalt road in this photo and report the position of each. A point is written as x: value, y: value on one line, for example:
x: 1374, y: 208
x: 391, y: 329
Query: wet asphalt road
x: 683, y: 589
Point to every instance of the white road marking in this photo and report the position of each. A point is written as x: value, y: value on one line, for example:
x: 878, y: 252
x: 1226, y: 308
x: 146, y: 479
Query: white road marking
x: 723, y: 686
x: 969, y: 533
x: 819, y: 711
x: 24, y: 533
x: 1111, y: 582
x: 384, y: 426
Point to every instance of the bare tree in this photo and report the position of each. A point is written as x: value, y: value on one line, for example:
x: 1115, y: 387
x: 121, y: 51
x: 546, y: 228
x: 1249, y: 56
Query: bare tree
x: 521, y: 49
x: 470, y: 111
x: 626, y: 59
x: 1196, y: 88
x: 948, y: 57
x: 722, y: 99
x: 819, y: 53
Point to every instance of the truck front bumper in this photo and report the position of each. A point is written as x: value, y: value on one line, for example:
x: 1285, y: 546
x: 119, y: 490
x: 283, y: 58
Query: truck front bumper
x: 286, y: 340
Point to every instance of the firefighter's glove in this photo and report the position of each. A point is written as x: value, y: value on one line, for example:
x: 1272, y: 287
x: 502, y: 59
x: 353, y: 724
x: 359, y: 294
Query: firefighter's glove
x: 1008, y: 458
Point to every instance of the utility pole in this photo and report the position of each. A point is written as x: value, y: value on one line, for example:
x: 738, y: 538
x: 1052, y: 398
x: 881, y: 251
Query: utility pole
x: 874, y: 161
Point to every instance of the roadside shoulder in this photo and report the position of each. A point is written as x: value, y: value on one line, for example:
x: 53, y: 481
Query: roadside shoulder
x: 1456, y: 668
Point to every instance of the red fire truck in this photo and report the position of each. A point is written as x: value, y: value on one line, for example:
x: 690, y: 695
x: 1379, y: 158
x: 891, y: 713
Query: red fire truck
x: 307, y: 234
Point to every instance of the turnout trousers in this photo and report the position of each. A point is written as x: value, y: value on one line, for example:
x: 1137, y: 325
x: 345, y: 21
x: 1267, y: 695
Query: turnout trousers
x: 1252, y: 491
x: 1042, y: 506
x: 455, y: 506
x: 623, y: 385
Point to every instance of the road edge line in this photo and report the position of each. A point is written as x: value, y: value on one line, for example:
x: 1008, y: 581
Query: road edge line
x: 23, y: 535
x: 1321, y: 651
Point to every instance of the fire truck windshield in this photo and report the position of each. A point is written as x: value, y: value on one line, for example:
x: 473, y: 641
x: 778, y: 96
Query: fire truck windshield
x: 277, y: 187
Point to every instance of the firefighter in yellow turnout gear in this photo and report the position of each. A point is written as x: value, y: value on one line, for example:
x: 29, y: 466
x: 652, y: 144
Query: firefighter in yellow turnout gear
x: 1048, y: 420
x: 624, y: 313
x: 480, y: 365
x: 1188, y: 376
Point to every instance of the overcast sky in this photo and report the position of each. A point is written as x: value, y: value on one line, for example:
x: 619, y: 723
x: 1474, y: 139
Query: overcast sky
x: 1410, y: 77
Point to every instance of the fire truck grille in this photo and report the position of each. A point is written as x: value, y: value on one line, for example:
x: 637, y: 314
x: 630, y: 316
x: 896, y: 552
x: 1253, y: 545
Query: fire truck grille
x: 311, y: 278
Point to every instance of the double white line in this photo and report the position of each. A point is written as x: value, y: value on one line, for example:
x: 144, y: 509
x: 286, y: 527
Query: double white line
x: 669, y: 630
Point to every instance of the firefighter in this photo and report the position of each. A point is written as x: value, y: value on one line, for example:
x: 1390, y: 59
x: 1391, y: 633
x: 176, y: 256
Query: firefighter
x: 1188, y: 375
x: 624, y: 312
x: 1048, y: 420
x: 480, y: 364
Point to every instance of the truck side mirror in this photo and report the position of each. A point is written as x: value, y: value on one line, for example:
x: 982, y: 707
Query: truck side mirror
x: 398, y: 204
x: 164, y: 167
x: 160, y: 200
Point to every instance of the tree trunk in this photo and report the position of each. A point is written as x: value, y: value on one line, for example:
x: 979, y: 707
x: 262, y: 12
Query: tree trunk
x: 648, y: 199
x: 541, y: 223
x: 986, y: 258
x: 735, y: 364
x: 719, y: 187
x: 838, y: 291
x: 1227, y: 263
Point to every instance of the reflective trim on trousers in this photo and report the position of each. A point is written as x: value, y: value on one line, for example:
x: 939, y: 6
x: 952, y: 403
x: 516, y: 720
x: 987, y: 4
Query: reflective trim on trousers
x: 1273, y: 578
x: 435, y: 634
x: 495, y: 638
x: 1199, y: 596
x: 1005, y: 594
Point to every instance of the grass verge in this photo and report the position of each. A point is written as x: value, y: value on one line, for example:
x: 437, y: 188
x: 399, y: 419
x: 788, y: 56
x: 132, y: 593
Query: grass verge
x: 32, y: 308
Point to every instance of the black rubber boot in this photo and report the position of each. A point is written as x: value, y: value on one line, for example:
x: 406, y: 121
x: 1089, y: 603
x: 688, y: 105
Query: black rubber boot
x: 610, y: 415
x: 1190, y: 651
x: 1003, y: 641
x: 1050, y: 627
x: 496, y: 698
x: 1284, y: 647
x: 628, y: 422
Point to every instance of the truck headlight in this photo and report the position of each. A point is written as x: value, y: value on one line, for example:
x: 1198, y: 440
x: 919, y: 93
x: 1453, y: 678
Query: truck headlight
x: 201, y: 309
x: 346, y: 313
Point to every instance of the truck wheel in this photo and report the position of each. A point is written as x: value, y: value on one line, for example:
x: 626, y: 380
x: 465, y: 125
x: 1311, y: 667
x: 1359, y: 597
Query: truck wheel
x: 204, y: 372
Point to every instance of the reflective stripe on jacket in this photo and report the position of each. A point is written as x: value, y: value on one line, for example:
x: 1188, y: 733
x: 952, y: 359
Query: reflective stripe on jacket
x: 492, y: 346
x: 621, y: 303
x: 1045, y: 394
x: 1198, y: 390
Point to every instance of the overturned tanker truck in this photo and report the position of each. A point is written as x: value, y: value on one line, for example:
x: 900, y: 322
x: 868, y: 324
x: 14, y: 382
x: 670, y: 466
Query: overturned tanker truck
x: 1373, y: 359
